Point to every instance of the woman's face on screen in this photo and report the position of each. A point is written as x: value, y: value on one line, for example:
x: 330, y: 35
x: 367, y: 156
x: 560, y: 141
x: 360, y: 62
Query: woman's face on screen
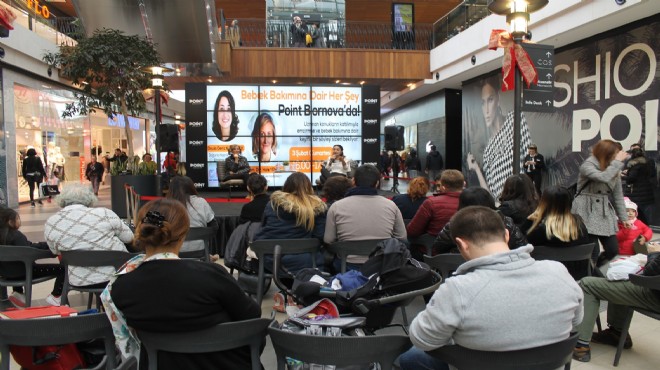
x: 266, y: 135
x: 224, y: 113
x: 489, y: 104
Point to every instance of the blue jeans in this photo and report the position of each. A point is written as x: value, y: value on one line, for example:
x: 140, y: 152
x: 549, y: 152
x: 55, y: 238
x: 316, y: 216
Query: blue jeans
x: 416, y: 359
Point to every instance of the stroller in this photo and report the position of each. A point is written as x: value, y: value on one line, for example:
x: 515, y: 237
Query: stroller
x: 395, y: 280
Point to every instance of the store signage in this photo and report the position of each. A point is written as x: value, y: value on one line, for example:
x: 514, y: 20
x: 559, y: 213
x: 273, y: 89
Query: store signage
x: 539, y: 97
x: 39, y: 9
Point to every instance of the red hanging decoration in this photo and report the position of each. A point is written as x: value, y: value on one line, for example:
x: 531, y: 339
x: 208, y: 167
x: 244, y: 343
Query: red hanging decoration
x: 514, y: 55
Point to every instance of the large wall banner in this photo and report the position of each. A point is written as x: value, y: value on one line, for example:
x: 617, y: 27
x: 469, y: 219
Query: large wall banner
x: 605, y: 88
x: 280, y: 129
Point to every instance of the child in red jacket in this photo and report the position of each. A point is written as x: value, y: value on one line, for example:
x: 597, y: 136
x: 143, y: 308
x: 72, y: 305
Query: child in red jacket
x: 627, y: 237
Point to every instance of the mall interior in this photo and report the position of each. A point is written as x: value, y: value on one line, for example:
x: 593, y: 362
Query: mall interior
x: 429, y: 61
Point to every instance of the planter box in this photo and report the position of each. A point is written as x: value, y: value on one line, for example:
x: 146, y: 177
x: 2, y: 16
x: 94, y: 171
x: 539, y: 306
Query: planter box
x: 143, y: 185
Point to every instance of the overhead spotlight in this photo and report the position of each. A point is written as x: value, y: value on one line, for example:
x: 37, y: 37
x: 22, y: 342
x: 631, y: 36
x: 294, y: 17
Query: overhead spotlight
x: 50, y: 71
x: 437, y: 75
x: 620, y: 2
x: 473, y: 60
x: 274, y: 81
x: 529, y: 35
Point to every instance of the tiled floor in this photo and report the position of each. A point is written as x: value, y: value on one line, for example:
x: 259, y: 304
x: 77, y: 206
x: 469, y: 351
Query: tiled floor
x: 645, y: 331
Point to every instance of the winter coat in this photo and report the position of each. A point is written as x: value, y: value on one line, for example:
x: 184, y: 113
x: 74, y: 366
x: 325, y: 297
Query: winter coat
x: 639, y: 184
x: 33, y: 169
x: 600, y: 197
x: 279, y: 220
x: 626, y: 236
x: 434, y: 213
x: 434, y: 161
x: 511, y: 209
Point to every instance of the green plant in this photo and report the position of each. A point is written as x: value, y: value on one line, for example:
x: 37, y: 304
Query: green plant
x: 107, y: 67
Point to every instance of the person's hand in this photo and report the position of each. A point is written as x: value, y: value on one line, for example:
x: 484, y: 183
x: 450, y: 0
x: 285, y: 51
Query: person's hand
x: 642, y: 239
x: 471, y: 163
x: 621, y: 156
x: 627, y: 224
x: 653, y: 247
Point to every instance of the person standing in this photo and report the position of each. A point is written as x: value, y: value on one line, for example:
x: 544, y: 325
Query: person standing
x: 534, y: 166
x: 639, y: 177
x: 94, y: 173
x: 298, y: 31
x: 118, y: 162
x: 599, y: 198
x: 33, y: 173
x: 413, y: 164
x: 317, y: 36
x: 434, y: 164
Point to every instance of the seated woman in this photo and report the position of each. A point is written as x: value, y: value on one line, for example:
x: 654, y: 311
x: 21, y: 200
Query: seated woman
x: 10, y: 222
x: 158, y: 292
x: 519, y: 198
x: 335, y: 188
x: 477, y: 196
x: 336, y: 165
x: 200, y: 213
x: 236, y: 166
x: 552, y: 224
x: 410, y: 202
x: 81, y: 226
x: 294, y: 213
x: 257, y: 187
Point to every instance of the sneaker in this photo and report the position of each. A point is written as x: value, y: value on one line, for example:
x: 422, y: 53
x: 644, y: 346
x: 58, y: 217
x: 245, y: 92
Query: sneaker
x: 582, y: 354
x: 32, y: 204
x: 51, y: 300
x: 18, y: 299
x: 39, y: 201
x: 611, y: 338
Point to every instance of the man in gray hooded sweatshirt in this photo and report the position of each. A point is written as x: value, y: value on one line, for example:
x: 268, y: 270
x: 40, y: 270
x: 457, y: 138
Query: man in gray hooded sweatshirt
x: 499, y: 300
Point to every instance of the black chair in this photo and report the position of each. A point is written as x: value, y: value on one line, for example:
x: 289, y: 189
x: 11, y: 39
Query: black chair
x: 57, y: 331
x: 87, y: 258
x: 221, y: 337
x: 206, y: 234
x: 289, y: 246
x: 549, y: 357
x: 338, y: 351
x: 353, y: 247
x: 445, y: 263
x: 425, y: 240
x: 129, y: 363
x: 580, y: 252
x: 27, y: 256
x: 650, y: 282
x: 229, y: 184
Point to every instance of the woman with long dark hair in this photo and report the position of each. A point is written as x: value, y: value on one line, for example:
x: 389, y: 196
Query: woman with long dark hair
x: 33, y: 173
x: 519, y: 198
x: 599, y: 197
x: 225, y: 120
x: 158, y: 292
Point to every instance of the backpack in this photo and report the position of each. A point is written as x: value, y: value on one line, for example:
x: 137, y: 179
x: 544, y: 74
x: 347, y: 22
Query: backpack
x: 64, y: 357
x: 237, y: 245
x: 308, y: 39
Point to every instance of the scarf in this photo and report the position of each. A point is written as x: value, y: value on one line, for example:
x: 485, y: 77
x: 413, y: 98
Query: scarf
x: 361, y: 190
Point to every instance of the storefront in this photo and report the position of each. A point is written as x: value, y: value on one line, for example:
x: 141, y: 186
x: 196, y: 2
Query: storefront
x: 33, y: 119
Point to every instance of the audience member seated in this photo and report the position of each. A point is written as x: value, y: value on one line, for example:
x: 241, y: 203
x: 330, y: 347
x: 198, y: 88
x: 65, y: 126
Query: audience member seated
x: 485, y: 306
x: 10, y: 222
x: 626, y: 236
x: 158, y: 292
x: 236, y: 165
x: 295, y: 212
x: 477, y: 196
x: 363, y: 214
x: 553, y: 225
x: 410, y: 202
x: 618, y: 295
x: 182, y: 189
x: 519, y: 198
x: 335, y: 188
x: 79, y: 226
x: 436, y: 211
x: 257, y: 187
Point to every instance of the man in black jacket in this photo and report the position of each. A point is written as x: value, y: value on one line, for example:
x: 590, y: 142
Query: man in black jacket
x: 619, y: 295
x: 434, y: 164
x: 298, y: 32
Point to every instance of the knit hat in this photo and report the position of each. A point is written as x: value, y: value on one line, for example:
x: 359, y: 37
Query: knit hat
x: 630, y: 204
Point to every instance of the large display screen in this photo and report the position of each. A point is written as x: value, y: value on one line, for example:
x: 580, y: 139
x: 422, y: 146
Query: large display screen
x: 280, y: 129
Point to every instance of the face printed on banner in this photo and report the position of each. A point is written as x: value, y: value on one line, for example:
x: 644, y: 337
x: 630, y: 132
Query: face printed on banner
x: 224, y: 113
x: 266, y: 136
x: 489, y: 104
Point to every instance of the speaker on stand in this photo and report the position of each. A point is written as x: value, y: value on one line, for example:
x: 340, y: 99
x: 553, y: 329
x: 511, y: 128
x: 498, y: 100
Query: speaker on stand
x: 168, y: 137
x: 394, y: 140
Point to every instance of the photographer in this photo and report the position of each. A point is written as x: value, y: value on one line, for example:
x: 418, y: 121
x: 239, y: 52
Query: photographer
x: 236, y: 165
x: 298, y: 32
x: 639, y: 177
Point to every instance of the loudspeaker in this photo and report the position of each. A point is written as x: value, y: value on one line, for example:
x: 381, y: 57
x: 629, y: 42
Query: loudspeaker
x: 394, y: 138
x: 169, y: 138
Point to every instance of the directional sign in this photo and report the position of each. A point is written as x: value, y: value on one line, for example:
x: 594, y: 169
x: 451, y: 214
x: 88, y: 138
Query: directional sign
x: 538, y: 97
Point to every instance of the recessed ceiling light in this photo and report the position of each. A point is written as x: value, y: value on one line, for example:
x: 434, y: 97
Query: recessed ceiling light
x: 274, y: 81
x: 338, y: 81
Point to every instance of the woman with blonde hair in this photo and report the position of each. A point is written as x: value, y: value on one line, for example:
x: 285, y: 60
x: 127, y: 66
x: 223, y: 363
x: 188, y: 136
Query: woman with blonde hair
x: 599, y: 197
x: 295, y: 212
x: 410, y: 202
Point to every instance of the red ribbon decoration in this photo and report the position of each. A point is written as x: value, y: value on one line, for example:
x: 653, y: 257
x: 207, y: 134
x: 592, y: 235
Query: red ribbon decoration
x: 514, y: 55
x: 164, y: 98
x: 7, y: 17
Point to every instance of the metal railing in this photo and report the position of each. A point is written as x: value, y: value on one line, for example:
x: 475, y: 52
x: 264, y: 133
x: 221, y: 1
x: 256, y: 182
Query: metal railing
x: 459, y: 19
x: 342, y: 34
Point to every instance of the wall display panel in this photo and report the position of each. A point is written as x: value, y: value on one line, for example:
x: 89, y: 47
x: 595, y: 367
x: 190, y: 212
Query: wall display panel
x: 280, y: 129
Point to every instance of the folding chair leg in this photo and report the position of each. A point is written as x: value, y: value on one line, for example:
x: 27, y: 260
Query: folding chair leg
x: 598, y: 324
x: 89, y: 300
x: 404, y: 316
x: 624, y: 335
x: 3, y: 293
